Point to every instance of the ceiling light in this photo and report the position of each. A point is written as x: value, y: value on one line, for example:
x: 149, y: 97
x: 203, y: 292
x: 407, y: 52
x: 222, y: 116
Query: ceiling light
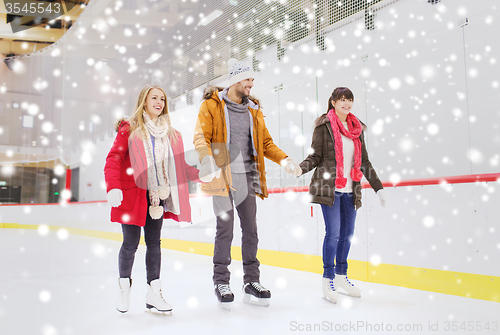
x: 153, y: 58
x: 210, y: 17
x: 28, y: 121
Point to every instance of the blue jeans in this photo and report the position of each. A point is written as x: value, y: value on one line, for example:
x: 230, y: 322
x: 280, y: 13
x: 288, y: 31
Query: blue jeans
x: 339, y: 226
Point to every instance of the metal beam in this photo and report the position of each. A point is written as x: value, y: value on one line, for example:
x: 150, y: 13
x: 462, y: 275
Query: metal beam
x: 16, y: 47
x: 154, y: 19
x: 32, y: 34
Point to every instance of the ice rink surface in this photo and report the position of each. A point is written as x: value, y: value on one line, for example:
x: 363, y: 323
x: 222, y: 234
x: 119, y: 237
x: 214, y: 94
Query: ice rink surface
x: 54, y: 284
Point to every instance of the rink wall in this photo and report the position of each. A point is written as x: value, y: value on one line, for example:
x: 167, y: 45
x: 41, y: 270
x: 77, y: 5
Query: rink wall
x: 437, y: 235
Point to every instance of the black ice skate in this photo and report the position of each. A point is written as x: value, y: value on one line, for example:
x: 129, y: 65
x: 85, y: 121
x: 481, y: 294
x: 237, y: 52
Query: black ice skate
x: 225, y: 296
x: 261, y: 295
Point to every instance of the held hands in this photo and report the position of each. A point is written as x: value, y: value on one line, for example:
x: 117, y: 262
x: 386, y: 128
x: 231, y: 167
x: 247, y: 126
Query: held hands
x: 291, y: 167
x: 208, y: 170
x: 381, y: 197
x: 115, y: 197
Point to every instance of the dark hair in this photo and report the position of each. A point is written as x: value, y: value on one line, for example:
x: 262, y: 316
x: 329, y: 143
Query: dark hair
x: 339, y: 93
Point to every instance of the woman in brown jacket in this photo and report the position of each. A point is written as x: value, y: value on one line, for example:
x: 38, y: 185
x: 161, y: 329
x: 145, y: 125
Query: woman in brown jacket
x: 340, y: 158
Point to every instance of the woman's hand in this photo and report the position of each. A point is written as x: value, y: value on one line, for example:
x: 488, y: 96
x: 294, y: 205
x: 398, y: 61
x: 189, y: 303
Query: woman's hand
x: 208, y: 169
x: 381, y: 197
x: 115, y: 197
x: 291, y: 167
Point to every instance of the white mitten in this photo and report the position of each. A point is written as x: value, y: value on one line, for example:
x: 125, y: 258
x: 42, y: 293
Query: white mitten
x: 291, y: 167
x: 381, y: 197
x: 115, y: 197
x: 208, y: 169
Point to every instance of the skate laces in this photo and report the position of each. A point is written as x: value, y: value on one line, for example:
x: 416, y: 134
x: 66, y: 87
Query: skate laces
x: 124, y: 297
x: 331, y: 283
x: 224, y: 289
x: 348, y: 281
x: 124, y: 294
x: 159, y: 294
x: 258, y: 286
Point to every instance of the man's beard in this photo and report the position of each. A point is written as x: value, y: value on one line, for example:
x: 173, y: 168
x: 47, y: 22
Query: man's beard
x: 243, y: 93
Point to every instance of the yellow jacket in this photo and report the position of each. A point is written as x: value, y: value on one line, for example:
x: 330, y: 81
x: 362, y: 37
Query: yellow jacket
x: 211, y: 138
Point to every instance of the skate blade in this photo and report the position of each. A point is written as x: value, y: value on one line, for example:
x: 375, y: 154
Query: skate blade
x: 225, y: 305
x: 251, y: 300
x: 155, y: 311
x: 330, y: 300
x: 349, y: 295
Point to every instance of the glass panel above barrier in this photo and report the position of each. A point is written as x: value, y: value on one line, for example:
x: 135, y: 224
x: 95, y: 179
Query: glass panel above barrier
x: 481, y: 69
x: 62, y: 102
x: 269, y: 101
x: 297, y: 109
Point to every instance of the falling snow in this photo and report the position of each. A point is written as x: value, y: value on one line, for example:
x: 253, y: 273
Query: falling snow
x: 425, y: 87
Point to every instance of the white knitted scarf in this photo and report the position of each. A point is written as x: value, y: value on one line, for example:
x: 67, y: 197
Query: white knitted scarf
x: 158, y: 183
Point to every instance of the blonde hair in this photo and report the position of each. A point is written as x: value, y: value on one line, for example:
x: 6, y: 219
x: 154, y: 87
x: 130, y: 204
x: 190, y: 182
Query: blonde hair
x: 137, y: 127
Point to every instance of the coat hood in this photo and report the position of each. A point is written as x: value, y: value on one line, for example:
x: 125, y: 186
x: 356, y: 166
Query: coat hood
x: 119, y: 123
x: 210, y: 90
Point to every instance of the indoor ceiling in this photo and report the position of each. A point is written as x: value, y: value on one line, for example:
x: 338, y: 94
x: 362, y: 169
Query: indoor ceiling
x: 38, y: 36
x: 164, y: 21
x: 41, y: 34
x: 116, y: 45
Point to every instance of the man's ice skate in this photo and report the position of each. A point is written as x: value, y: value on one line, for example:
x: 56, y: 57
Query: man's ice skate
x: 124, y: 297
x: 154, y: 299
x: 329, y: 292
x: 224, y: 295
x: 256, y: 294
x: 341, y: 281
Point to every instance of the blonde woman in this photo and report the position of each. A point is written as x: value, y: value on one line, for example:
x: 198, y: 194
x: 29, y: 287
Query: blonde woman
x: 146, y: 178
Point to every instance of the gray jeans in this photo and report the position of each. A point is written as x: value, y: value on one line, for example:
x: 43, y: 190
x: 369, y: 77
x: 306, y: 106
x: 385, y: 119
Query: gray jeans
x: 244, y: 199
x: 131, y: 237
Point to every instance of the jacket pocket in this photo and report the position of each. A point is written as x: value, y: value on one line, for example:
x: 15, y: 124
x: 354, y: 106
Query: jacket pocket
x: 129, y: 199
x: 216, y: 185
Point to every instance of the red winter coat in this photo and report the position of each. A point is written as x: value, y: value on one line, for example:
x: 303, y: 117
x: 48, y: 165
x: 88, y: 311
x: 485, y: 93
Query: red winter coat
x: 118, y: 173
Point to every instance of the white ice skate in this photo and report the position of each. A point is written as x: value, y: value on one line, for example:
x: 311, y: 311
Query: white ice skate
x: 123, y: 302
x: 256, y: 294
x: 154, y: 299
x: 329, y: 292
x: 341, y: 281
x: 224, y: 295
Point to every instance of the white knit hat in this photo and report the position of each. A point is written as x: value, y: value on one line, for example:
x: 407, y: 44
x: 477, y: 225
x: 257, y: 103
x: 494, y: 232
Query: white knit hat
x: 238, y: 71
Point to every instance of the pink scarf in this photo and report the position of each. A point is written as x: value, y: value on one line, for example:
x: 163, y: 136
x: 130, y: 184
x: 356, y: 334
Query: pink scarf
x: 353, y: 133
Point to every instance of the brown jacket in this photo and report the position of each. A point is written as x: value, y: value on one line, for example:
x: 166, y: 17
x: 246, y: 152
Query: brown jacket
x: 211, y: 138
x: 322, y: 189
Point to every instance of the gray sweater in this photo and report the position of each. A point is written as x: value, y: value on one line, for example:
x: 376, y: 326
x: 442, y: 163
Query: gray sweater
x: 240, y: 139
